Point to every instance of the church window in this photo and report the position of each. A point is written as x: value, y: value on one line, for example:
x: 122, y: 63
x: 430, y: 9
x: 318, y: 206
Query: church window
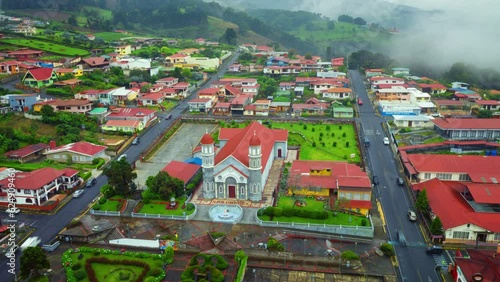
x: 221, y: 189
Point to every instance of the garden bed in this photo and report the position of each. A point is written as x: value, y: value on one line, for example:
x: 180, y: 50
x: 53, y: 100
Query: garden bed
x: 91, y: 264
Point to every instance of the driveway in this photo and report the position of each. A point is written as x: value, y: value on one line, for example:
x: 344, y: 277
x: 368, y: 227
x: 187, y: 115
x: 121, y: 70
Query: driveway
x: 178, y: 148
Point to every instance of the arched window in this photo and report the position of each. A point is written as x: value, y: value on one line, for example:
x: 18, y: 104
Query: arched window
x: 221, y: 189
x: 254, y: 188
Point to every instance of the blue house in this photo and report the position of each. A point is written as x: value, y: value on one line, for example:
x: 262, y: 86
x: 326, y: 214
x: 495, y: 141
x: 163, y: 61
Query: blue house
x: 277, y: 61
x: 22, y: 102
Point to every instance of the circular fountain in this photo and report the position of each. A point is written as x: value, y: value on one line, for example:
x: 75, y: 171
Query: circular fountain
x: 225, y: 213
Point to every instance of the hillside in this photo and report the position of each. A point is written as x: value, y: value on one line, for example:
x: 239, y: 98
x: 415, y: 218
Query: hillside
x: 165, y: 18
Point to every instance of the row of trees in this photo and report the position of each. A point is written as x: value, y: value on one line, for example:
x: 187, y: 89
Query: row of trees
x: 349, y: 19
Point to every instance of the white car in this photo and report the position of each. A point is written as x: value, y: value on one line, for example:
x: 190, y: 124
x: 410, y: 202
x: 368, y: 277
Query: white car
x: 386, y: 141
x: 78, y: 193
x: 13, y: 210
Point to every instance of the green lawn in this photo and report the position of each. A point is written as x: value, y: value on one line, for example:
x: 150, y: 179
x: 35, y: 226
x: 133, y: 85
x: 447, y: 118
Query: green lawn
x: 166, y: 104
x: 327, y: 151
x: 35, y: 166
x: 111, y: 36
x: 111, y: 205
x: 339, y: 219
x: 159, y: 208
x: 312, y: 203
x: 47, y: 47
x: 437, y: 139
x: 111, y: 272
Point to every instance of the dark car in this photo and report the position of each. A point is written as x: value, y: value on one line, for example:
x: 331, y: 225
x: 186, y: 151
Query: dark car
x: 136, y: 141
x: 90, y: 182
x: 434, y: 250
x: 400, y: 181
x: 169, y: 116
x: 375, y: 180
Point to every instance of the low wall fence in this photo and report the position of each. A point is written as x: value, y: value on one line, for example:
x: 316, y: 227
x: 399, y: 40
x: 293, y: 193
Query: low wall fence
x: 360, y: 231
x: 106, y: 213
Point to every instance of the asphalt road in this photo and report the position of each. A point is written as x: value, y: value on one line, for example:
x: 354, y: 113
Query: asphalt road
x: 414, y: 263
x: 48, y: 226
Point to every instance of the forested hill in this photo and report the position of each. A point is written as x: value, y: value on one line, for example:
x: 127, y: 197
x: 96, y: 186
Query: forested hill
x: 168, y: 17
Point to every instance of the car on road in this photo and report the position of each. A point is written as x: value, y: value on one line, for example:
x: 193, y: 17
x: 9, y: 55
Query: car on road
x: 122, y: 156
x: 386, y: 141
x: 96, y: 228
x: 136, y: 141
x: 169, y: 116
x: 412, y: 216
x: 360, y: 102
x: 13, y: 210
x: 375, y: 180
x: 400, y: 181
x: 90, y: 182
x: 78, y: 193
x: 434, y: 250
x: 11, y: 250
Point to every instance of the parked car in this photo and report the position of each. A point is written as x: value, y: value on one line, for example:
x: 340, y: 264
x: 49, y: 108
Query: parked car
x: 96, y: 228
x: 360, y: 102
x: 90, y: 182
x: 434, y: 250
x: 136, y: 141
x: 169, y: 116
x: 78, y: 193
x: 386, y: 141
x: 375, y: 180
x: 400, y: 181
x: 11, y: 251
x: 122, y: 156
x: 412, y: 216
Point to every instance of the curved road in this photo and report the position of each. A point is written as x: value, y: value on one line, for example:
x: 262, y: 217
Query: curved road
x: 414, y: 263
x: 48, y: 226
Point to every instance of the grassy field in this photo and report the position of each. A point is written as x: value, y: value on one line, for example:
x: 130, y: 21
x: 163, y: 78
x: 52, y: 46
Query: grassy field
x: 317, y: 141
x: 38, y: 165
x: 111, y: 205
x: 154, y: 207
x: 312, y: 203
x: 166, y: 104
x: 47, y: 47
x: 111, y: 272
x: 111, y: 36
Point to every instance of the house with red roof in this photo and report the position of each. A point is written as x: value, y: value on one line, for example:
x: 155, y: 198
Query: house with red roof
x: 433, y: 88
x: 27, y: 153
x: 476, y: 265
x: 168, y: 81
x: 126, y: 126
x: 337, y: 62
x: 392, y: 93
x: 312, y: 106
x: 92, y: 63
x: 468, y: 211
x: 9, y: 67
x: 183, y: 171
x: 321, y: 84
x: 171, y: 60
x: 78, y: 152
x: 240, y: 168
x: 345, y: 183
x: 375, y: 81
x: 481, y: 169
x: 76, y: 106
x: 373, y: 72
x: 337, y: 93
x: 284, y: 86
x: 37, y: 187
x: 24, y: 54
x: 90, y: 94
x: 143, y: 115
x: 203, y: 105
x: 39, y: 77
x: 150, y: 99
x: 488, y: 105
x: 468, y: 128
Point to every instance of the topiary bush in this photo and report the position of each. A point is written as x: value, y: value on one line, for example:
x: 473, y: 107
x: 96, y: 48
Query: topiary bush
x: 155, y: 272
x: 80, y: 275
x: 387, y: 249
x: 190, y: 206
x: 349, y: 255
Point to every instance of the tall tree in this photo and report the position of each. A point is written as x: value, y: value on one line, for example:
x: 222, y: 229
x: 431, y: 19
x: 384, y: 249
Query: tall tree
x: 359, y: 21
x: 422, y: 202
x: 72, y: 20
x: 121, y: 177
x: 33, y: 259
x: 328, y: 53
x: 165, y: 186
x: 229, y: 37
x: 436, y: 226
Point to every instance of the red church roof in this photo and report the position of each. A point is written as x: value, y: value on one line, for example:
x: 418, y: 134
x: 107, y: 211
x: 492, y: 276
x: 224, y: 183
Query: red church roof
x: 207, y: 139
x: 181, y: 170
x: 467, y: 123
x: 239, y: 140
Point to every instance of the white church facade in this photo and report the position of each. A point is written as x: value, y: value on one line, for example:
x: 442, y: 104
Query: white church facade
x: 240, y: 168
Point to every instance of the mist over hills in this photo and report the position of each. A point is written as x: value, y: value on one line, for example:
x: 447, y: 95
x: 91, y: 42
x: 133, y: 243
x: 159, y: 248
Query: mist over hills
x: 438, y: 33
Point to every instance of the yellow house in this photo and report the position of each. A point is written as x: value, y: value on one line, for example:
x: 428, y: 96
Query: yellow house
x: 123, y: 50
x: 62, y: 71
x: 128, y: 126
x: 346, y: 185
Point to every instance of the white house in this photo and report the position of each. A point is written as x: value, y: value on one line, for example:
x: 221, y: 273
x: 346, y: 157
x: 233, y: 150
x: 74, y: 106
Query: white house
x: 389, y: 108
x: 401, y: 71
x: 375, y: 81
x: 337, y: 93
x: 412, y: 121
x: 204, y: 62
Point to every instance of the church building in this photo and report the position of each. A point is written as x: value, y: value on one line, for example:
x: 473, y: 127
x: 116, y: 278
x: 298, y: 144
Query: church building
x: 240, y: 168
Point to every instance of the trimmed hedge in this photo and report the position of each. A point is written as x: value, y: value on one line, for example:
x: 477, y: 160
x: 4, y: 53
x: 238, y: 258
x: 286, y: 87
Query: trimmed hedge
x: 299, y: 212
x: 242, y: 258
x: 85, y: 175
